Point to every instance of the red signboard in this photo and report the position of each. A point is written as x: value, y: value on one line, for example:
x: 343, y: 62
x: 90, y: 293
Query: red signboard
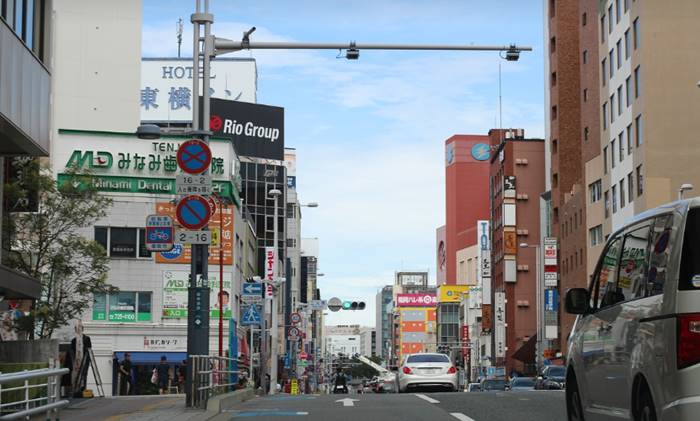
x: 465, y: 343
x: 416, y: 300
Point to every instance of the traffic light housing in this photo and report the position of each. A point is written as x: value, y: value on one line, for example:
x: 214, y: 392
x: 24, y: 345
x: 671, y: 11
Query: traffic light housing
x: 353, y: 305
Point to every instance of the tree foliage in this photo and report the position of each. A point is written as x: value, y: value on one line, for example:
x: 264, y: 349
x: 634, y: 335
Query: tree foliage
x: 46, y: 244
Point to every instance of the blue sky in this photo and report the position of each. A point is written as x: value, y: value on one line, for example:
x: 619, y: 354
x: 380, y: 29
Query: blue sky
x: 369, y: 133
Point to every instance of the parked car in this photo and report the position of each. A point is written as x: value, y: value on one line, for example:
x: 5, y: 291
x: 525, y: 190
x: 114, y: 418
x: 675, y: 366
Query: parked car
x: 522, y: 383
x: 491, y: 385
x: 553, y: 377
x: 473, y: 387
x: 634, y: 351
x: 427, y: 370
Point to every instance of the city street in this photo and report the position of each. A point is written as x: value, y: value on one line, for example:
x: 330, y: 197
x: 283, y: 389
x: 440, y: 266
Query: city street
x: 506, y: 406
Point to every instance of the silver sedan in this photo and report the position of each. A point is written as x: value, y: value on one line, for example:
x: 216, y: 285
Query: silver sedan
x: 427, y: 370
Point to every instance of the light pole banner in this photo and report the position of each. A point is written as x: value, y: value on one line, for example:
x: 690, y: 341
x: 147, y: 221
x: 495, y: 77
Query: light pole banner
x: 270, y: 264
x: 484, y: 273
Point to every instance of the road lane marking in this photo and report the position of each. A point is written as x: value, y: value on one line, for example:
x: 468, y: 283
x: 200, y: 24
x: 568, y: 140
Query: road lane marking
x: 268, y: 414
x: 426, y: 398
x: 348, y: 401
x: 461, y: 417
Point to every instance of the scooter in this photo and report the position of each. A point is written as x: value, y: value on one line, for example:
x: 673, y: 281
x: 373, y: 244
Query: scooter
x: 340, y: 389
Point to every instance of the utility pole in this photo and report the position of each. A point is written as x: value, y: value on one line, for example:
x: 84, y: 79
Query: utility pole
x: 198, y: 290
x: 275, y: 324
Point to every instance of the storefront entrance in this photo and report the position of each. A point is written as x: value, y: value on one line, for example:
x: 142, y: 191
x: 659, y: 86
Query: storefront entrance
x: 142, y: 365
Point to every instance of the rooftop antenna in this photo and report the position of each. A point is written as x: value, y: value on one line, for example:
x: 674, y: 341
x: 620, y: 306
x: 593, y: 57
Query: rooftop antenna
x: 178, y: 31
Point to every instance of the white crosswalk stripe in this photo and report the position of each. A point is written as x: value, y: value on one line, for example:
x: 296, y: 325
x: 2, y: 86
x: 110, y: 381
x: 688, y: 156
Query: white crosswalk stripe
x: 461, y: 417
x: 427, y: 398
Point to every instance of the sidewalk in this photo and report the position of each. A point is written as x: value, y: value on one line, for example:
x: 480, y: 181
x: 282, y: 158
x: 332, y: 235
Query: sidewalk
x: 122, y: 408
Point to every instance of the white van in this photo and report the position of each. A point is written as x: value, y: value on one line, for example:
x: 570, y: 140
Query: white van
x: 634, y: 351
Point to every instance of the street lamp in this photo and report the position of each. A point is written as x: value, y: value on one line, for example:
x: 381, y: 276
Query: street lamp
x: 309, y: 205
x: 148, y: 132
x: 274, y: 193
x: 684, y: 187
x: 540, y: 303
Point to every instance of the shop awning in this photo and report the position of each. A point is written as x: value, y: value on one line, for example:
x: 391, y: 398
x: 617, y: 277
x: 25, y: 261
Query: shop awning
x: 153, y: 357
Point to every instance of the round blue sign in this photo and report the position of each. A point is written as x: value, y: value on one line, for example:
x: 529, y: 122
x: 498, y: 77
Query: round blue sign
x: 172, y: 254
x: 481, y: 152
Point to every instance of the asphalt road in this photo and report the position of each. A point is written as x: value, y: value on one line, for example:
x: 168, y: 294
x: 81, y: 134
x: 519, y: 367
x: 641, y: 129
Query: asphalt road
x: 489, y: 406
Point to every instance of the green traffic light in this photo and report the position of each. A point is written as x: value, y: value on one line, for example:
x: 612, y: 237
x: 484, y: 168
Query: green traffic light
x: 347, y: 305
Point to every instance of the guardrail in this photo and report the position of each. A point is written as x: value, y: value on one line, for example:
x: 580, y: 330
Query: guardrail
x: 211, y: 376
x: 28, y: 405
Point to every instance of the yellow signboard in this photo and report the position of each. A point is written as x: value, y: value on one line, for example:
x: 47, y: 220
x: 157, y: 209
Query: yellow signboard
x: 452, y: 293
x: 295, y: 387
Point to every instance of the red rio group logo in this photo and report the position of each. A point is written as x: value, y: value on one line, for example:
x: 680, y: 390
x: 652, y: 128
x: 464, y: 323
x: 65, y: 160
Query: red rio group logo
x: 215, y: 123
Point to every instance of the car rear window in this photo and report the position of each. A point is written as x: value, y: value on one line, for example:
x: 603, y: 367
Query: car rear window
x: 689, y: 278
x: 556, y: 371
x: 524, y: 382
x: 494, y: 384
x: 428, y: 358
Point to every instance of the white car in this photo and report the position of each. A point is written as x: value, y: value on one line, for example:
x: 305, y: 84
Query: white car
x: 427, y: 370
x: 634, y: 351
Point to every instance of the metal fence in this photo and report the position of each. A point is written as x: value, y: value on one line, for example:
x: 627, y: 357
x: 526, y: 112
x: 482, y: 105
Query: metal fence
x: 211, y: 376
x: 30, y: 398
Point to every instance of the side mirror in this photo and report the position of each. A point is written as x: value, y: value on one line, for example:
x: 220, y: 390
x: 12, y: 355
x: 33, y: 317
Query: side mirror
x: 576, y: 301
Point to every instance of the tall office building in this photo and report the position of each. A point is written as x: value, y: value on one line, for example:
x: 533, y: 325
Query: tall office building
x: 383, y: 320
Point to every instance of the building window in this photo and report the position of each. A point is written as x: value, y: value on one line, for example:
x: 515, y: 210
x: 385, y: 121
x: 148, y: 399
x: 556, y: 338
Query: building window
x: 628, y: 47
x: 123, y: 242
x: 640, y: 181
x: 291, y: 242
x: 612, y: 153
x: 612, y: 108
x: 596, y: 190
x: 629, y: 139
x: 628, y: 87
x: 605, y: 160
x: 555, y: 180
x: 554, y: 78
x: 617, y: 11
x: 622, y: 193
x: 604, y: 70
x: 585, y: 56
x: 605, y: 116
x: 584, y: 19
x: 602, y: 29
x: 606, y: 196
x: 614, y: 198
x: 585, y: 133
x: 635, y: 30
x: 621, y: 143
x: 552, y: 45
x: 611, y: 63
x: 610, y: 18
x: 618, y: 51
x: 630, y: 187
x: 585, y: 95
x: 554, y: 112
x: 291, y: 210
x: 619, y: 100
x: 596, y: 235
x: 638, y: 130
x: 627, y: 5
x: 552, y: 9
x: 637, y: 82
x: 555, y: 146
x: 122, y: 307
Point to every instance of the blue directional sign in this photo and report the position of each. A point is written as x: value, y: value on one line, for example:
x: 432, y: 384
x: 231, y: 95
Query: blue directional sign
x: 250, y: 288
x: 250, y: 315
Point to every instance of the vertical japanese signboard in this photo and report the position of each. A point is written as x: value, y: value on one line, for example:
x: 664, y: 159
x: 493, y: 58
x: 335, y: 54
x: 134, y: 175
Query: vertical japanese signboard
x: 484, y: 273
x: 175, y: 284
x: 550, y: 262
x: 500, y: 322
x: 182, y: 253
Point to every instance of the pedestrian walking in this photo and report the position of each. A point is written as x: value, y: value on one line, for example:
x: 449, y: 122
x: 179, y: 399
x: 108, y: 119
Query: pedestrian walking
x: 125, y: 386
x: 163, y: 370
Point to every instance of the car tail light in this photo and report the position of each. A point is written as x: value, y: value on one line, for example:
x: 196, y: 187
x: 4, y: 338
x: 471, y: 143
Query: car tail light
x: 406, y: 370
x: 451, y: 370
x: 688, y: 340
